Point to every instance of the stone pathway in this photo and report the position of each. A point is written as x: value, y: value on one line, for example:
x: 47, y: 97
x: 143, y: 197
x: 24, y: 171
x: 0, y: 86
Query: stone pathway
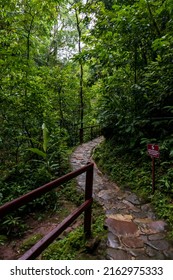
x: 133, y: 229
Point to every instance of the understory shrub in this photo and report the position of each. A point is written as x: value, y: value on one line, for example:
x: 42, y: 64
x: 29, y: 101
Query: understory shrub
x: 135, y: 173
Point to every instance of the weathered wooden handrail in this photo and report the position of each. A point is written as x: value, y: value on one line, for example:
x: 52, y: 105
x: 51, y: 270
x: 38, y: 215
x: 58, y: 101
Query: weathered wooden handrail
x: 42, y: 244
x: 81, y: 132
x: 85, y: 207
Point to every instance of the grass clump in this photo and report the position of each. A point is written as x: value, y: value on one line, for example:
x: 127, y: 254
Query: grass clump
x: 65, y: 249
x: 30, y: 241
x: 75, y: 244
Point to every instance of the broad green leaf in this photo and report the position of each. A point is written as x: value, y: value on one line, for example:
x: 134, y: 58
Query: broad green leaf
x: 171, y: 153
x: 45, y: 137
x: 38, y: 152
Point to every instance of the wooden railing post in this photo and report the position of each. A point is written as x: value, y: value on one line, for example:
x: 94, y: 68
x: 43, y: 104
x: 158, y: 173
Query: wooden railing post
x: 86, y: 207
x: 88, y: 195
x: 91, y: 132
x: 81, y: 135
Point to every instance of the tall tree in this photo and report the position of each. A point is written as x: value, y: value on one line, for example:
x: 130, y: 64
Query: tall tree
x: 129, y: 46
x: 81, y: 87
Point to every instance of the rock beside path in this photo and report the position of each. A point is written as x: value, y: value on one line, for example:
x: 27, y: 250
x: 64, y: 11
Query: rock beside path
x: 133, y: 230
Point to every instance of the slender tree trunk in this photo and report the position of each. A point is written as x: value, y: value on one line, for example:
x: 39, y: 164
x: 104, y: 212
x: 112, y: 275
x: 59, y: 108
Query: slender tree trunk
x: 81, y: 94
x: 26, y: 109
x: 81, y: 102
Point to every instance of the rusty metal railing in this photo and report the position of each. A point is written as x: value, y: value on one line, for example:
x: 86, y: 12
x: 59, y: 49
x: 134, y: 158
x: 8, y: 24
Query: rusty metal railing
x: 85, y: 207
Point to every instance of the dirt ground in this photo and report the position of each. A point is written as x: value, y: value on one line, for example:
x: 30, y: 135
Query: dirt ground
x: 13, y: 248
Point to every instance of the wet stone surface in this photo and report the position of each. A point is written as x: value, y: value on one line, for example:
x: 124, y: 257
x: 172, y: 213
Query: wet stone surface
x: 157, y: 226
x: 120, y: 227
x: 133, y: 229
x: 113, y: 241
x: 132, y: 242
x: 116, y: 254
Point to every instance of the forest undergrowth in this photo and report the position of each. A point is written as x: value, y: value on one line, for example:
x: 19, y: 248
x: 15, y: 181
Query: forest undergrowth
x: 134, y: 173
x: 68, y: 66
x: 23, y: 228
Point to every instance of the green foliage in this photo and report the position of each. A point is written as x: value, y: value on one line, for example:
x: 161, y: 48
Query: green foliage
x: 13, y: 226
x: 30, y: 241
x: 38, y: 152
x: 120, y: 77
x: 70, y: 192
x: 75, y: 243
x: 132, y: 57
x: 3, y: 239
x: 45, y: 137
x: 66, y: 248
x: 133, y: 60
x: 135, y: 173
x: 166, y: 180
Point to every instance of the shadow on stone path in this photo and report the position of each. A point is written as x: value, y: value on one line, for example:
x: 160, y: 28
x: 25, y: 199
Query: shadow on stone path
x: 133, y: 230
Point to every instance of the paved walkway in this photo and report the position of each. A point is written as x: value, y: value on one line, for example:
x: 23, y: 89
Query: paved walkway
x: 133, y: 230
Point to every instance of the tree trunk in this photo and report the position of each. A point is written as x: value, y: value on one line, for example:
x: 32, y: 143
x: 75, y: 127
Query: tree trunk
x: 81, y: 77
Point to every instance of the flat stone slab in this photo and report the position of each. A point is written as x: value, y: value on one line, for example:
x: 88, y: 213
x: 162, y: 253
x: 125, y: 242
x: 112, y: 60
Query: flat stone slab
x: 105, y: 194
x: 169, y: 254
x: 146, y: 208
x: 131, y: 206
x: 118, y: 205
x: 112, y: 241
x: 114, y: 254
x: 152, y: 227
x: 118, y: 227
x: 143, y: 220
x: 133, y: 199
x: 158, y: 244
x: 133, y: 229
x: 136, y: 252
x: 141, y: 215
x: 132, y: 242
x: 156, y: 236
x: 150, y: 252
x: 157, y: 226
x: 120, y: 217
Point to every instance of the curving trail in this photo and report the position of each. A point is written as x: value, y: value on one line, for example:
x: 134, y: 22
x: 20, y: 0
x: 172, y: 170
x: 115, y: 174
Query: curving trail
x: 133, y: 229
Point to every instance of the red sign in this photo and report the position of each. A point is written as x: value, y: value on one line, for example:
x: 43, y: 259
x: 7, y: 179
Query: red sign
x: 153, y: 150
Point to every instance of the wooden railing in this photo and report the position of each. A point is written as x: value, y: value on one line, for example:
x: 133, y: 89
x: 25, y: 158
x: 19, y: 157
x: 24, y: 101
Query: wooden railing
x: 89, y: 132
x: 41, y: 245
x: 86, y: 133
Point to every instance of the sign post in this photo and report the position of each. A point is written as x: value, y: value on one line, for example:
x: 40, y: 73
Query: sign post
x: 153, y: 174
x: 153, y: 152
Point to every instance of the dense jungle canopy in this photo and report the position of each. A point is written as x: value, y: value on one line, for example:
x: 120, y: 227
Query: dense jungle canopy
x: 69, y: 64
